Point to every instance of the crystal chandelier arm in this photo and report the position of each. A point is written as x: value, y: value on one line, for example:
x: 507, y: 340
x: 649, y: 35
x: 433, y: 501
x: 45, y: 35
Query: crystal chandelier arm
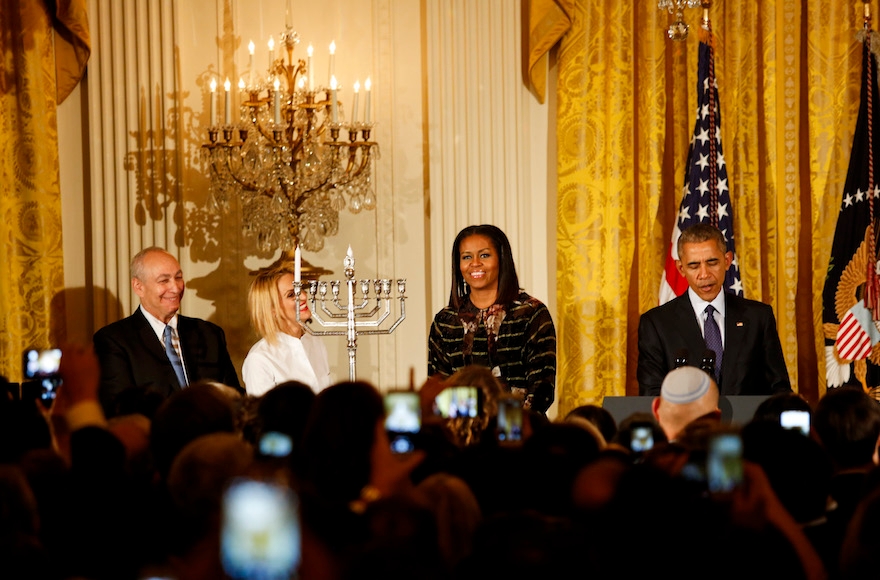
x: 225, y: 152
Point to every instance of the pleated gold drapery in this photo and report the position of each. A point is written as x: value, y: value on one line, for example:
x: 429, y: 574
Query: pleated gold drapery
x: 788, y: 74
x: 44, y: 57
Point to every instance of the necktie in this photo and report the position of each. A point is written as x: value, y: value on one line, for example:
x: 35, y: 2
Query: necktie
x: 712, y: 334
x: 174, y: 358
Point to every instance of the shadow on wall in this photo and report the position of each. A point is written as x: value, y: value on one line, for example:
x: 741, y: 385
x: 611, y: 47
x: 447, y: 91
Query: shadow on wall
x: 75, y: 312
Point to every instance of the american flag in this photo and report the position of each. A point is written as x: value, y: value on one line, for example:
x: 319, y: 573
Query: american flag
x: 849, y: 298
x: 706, y: 191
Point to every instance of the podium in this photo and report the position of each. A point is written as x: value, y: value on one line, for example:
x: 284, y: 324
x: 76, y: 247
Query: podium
x: 734, y: 409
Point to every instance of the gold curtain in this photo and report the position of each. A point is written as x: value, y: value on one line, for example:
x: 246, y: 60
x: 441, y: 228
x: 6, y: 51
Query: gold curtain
x: 788, y: 74
x: 44, y: 56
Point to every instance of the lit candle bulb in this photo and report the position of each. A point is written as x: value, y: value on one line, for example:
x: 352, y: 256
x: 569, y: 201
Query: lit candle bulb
x: 213, y: 96
x: 227, y: 117
x: 367, y: 86
x: 310, y: 50
x: 251, y: 49
x: 297, y: 265
x: 333, y: 113
x: 332, y: 58
x: 277, y: 97
x: 354, y: 105
x: 271, y: 52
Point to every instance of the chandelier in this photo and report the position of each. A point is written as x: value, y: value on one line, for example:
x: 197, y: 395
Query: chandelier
x: 678, y: 30
x: 289, y: 158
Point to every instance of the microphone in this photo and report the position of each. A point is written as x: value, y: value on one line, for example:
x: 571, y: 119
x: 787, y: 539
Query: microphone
x: 708, y: 363
x: 681, y: 357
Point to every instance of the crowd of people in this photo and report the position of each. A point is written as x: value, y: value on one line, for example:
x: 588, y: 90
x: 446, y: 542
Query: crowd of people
x: 155, y: 462
x: 146, y: 495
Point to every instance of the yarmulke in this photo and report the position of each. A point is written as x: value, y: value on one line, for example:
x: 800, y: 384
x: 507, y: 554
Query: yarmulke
x: 685, y: 385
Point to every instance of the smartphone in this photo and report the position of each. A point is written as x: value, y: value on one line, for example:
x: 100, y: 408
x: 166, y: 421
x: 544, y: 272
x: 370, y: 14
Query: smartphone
x: 403, y: 420
x: 724, y: 469
x: 453, y: 402
x: 509, y: 430
x: 799, y: 420
x: 275, y: 444
x: 641, y: 438
x: 41, y: 366
x: 260, y: 533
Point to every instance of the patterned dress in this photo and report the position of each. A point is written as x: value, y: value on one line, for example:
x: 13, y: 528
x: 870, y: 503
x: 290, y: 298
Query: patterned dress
x: 517, y: 342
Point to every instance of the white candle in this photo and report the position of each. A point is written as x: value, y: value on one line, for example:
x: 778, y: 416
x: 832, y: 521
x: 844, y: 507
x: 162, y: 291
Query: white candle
x: 228, y: 111
x: 301, y: 83
x: 213, y: 96
x: 332, y: 58
x: 354, y: 105
x: 349, y: 263
x: 241, y: 88
x: 277, y: 97
x: 271, y: 52
x: 297, y: 265
x: 310, y: 50
x: 333, y: 113
x: 251, y: 49
x: 367, y: 86
x: 287, y: 15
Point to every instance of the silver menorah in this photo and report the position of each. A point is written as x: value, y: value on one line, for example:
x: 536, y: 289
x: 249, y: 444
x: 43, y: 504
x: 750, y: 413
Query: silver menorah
x: 358, y: 319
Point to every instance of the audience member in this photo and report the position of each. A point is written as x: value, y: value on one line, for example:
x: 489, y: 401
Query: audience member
x: 772, y: 407
x: 686, y: 394
x: 157, y: 349
x: 799, y: 471
x: 639, y: 433
x: 846, y: 422
x: 285, y: 351
x: 457, y: 514
x: 490, y: 321
x: 599, y: 416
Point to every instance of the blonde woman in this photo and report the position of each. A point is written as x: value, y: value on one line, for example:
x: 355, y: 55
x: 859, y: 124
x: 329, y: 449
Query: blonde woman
x: 285, y: 351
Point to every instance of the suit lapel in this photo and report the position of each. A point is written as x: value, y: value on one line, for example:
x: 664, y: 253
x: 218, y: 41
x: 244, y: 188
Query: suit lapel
x: 735, y: 328
x: 148, y: 336
x: 689, y: 328
x: 190, y: 346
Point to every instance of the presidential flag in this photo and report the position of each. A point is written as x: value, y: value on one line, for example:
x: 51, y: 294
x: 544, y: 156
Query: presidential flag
x: 850, y: 308
x: 706, y: 191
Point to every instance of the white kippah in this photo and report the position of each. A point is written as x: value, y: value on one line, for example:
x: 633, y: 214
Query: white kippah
x: 685, y: 385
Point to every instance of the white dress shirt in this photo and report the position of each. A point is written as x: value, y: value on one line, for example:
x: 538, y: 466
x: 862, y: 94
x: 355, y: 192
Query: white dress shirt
x: 290, y: 359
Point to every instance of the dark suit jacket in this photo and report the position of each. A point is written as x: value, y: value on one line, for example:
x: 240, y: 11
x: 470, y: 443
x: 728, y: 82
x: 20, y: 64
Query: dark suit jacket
x: 752, y: 364
x: 132, y: 356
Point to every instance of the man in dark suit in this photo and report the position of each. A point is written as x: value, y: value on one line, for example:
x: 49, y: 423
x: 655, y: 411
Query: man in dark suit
x: 748, y: 348
x: 156, y: 350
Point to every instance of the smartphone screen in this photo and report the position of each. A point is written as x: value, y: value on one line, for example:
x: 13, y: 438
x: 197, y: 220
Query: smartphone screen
x: 724, y: 470
x: 642, y: 438
x: 799, y: 420
x: 403, y: 420
x: 275, y: 444
x: 41, y: 366
x: 454, y: 402
x: 260, y: 534
x: 510, y: 421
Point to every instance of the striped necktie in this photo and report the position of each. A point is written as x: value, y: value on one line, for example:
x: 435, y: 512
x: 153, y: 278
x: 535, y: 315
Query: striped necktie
x: 712, y: 335
x: 174, y: 357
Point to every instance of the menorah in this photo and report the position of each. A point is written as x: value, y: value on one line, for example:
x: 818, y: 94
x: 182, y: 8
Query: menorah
x: 358, y: 319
